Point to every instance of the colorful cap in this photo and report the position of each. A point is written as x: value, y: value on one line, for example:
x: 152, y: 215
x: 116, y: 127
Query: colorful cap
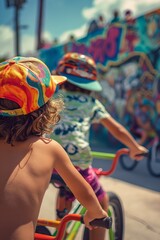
x: 26, y: 81
x: 80, y: 70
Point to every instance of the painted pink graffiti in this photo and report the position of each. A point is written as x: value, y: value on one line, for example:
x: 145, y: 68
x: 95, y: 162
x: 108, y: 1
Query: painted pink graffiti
x: 107, y: 47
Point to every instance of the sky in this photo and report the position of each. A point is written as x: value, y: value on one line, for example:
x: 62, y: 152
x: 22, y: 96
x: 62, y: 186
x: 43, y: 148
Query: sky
x: 61, y: 18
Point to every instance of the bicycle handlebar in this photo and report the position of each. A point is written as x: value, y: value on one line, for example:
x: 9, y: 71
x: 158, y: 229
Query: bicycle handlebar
x: 115, y: 157
x: 102, y: 222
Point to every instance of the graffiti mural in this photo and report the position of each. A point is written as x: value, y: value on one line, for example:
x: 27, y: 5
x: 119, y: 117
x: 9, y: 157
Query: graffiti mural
x: 131, y: 94
x: 127, y: 54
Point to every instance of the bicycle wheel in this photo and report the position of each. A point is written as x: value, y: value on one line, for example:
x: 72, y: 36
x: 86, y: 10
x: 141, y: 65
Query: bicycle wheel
x: 127, y: 163
x: 116, y: 212
x: 153, y: 161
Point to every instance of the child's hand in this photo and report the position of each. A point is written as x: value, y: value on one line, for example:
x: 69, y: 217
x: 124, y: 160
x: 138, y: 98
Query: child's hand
x: 136, y: 151
x: 89, y: 216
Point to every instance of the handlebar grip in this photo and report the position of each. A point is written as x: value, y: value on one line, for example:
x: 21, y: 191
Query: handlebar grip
x: 100, y: 222
x: 143, y: 154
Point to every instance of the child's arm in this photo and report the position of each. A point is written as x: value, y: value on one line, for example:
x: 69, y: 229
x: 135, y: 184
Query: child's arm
x: 122, y: 134
x: 78, y: 185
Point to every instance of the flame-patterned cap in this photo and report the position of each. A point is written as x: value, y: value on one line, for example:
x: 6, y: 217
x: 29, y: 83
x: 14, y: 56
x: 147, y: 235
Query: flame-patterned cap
x: 28, y: 82
x: 80, y: 70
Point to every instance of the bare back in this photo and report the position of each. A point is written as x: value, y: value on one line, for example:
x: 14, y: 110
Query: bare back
x: 25, y: 171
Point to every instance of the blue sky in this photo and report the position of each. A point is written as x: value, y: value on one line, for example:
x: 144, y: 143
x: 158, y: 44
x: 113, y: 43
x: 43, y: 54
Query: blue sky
x: 61, y: 18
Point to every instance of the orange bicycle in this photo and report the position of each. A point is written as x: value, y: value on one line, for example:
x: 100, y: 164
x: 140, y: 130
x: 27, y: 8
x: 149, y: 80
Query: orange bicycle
x: 61, y: 225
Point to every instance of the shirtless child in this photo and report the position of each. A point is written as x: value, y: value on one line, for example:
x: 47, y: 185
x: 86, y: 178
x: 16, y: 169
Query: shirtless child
x: 27, y: 112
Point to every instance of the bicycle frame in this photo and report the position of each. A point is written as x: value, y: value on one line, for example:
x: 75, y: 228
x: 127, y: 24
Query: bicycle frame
x: 71, y: 230
x: 57, y: 224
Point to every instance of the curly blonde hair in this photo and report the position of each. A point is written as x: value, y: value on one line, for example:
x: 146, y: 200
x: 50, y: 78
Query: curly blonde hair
x: 37, y: 123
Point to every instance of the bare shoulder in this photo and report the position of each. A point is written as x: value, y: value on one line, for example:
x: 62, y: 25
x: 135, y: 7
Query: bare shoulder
x: 37, y: 151
x: 49, y: 147
x: 46, y: 144
x: 35, y: 144
x: 44, y: 153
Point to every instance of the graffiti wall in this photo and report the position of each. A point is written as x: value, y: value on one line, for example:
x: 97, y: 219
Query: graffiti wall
x: 127, y: 54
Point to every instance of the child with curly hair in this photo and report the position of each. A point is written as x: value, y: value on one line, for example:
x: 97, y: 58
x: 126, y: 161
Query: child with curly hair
x: 27, y: 112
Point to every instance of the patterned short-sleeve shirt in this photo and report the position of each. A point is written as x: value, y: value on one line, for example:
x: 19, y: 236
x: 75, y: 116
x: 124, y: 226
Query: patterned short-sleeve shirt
x: 72, y: 132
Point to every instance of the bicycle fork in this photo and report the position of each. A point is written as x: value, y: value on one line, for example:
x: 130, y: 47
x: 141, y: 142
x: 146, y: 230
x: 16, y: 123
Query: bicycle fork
x: 111, y: 233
